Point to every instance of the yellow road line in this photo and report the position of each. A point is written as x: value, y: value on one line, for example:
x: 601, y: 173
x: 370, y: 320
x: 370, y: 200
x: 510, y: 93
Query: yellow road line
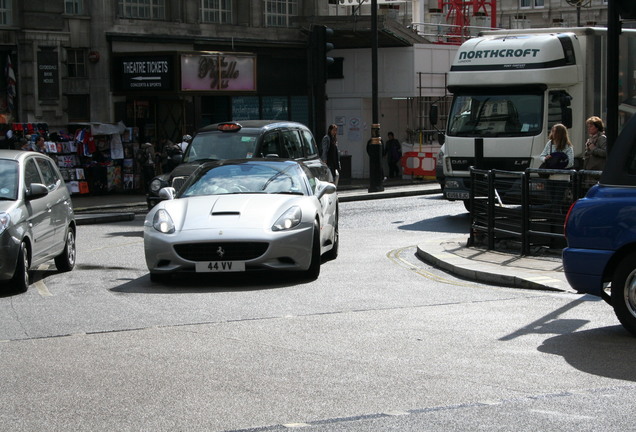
x: 395, y: 256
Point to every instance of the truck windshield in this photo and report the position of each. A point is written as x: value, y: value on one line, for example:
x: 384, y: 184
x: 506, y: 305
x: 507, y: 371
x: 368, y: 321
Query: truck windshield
x: 496, y: 115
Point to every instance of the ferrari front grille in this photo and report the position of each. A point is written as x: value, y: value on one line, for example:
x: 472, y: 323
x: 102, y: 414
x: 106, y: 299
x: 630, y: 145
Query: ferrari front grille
x: 217, y: 251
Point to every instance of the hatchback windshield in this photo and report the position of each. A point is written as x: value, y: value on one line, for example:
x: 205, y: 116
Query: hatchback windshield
x: 221, y: 146
x: 9, y: 176
x: 482, y: 115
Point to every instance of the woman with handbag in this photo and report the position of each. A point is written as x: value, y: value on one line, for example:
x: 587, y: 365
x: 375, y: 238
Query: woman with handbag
x: 558, y: 152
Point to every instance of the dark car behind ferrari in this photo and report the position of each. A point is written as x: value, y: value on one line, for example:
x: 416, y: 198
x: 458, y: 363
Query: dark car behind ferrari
x: 244, y: 139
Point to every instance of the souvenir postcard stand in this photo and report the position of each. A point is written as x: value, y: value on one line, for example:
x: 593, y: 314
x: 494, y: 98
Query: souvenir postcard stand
x: 106, y: 156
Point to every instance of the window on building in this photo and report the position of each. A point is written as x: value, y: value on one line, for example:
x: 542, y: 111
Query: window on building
x: 6, y: 12
x: 76, y: 63
x: 78, y: 108
x: 275, y: 107
x: 539, y: 3
x: 278, y: 13
x: 216, y: 11
x: 74, y: 7
x: 143, y: 9
x: 525, y: 3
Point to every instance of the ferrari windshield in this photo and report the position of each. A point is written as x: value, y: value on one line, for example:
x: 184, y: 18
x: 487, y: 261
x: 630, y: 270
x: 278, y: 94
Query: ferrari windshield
x: 9, y: 183
x: 246, y: 177
x: 487, y: 115
x: 221, y: 146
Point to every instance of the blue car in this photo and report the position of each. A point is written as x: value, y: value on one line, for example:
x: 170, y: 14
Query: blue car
x: 600, y: 257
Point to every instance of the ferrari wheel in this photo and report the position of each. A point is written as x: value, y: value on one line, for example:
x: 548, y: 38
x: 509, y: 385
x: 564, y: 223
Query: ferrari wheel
x: 333, y: 253
x: 313, y: 271
x: 624, y: 292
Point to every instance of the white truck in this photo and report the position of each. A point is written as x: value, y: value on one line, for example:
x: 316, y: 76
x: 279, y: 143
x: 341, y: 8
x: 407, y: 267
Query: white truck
x: 510, y: 86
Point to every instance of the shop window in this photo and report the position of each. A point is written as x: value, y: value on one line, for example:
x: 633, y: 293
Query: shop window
x: 78, y: 108
x: 299, y: 109
x: 6, y: 12
x: 76, y: 63
x: 215, y: 109
x: 279, y: 13
x: 74, y: 7
x: 275, y: 108
x: 245, y: 108
x: 216, y: 11
x: 142, y: 9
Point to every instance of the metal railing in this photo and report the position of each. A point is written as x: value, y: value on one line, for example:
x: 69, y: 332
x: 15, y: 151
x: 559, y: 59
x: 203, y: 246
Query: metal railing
x: 524, y: 210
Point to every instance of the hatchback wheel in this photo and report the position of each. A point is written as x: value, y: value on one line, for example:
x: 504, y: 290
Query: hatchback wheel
x: 20, y: 279
x: 66, y: 260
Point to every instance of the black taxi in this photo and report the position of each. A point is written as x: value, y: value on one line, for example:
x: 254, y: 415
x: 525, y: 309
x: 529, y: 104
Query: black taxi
x: 244, y: 139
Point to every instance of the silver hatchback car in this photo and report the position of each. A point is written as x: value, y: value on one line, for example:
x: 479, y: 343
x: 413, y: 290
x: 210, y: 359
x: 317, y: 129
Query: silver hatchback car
x: 37, y: 222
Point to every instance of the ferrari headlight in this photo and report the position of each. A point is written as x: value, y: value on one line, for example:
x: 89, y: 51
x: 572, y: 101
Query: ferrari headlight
x: 155, y: 185
x: 288, y: 220
x: 5, y: 221
x: 162, y: 222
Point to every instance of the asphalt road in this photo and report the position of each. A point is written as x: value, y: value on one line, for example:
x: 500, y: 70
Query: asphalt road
x: 381, y: 341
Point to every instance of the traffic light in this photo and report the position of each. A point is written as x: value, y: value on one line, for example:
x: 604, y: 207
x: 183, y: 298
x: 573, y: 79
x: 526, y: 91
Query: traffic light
x: 320, y: 46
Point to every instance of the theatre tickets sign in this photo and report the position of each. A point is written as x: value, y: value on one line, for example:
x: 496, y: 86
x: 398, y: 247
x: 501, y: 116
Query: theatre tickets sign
x: 144, y: 73
x: 218, y: 71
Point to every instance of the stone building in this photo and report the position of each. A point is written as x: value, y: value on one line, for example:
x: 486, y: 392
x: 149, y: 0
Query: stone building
x: 168, y: 67
x: 72, y: 62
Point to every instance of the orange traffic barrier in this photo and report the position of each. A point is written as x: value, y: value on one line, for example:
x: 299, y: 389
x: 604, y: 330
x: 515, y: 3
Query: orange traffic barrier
x: 419, y: 164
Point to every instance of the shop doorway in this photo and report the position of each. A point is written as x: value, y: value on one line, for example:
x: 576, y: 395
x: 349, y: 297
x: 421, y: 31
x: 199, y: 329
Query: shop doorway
x: 170, y: 120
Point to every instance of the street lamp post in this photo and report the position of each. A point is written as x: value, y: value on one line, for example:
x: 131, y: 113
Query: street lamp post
x: 375, y: 149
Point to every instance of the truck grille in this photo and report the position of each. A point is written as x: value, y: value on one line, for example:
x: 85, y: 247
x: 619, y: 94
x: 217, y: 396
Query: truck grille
x: 217, y: 251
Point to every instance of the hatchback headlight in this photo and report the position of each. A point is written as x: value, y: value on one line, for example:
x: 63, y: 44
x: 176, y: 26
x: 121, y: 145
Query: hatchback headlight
x: 5, y: 221
x: 288, y: 220
x: 162, y: 222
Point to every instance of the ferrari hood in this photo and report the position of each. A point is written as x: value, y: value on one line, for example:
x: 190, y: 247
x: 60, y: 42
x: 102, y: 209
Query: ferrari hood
x: 242, y: 211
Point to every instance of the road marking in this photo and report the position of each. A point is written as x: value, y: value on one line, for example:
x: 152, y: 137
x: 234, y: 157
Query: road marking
x: 39, y: 283
x: 395, y: 256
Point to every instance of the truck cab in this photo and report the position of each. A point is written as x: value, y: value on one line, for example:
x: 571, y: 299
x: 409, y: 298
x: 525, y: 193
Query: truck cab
x: 509, y: 88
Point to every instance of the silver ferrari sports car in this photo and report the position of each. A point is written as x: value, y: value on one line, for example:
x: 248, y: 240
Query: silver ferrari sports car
x: 243, y: 215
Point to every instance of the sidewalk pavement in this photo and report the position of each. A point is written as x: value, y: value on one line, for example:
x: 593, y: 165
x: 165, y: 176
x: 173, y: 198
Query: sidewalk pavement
x: 454, y: 256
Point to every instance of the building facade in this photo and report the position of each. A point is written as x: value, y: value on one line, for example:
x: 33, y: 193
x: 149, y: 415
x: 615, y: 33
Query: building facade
x: 169, y: 67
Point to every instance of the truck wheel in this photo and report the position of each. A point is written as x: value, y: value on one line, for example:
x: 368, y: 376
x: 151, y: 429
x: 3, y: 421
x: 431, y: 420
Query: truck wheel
x: 624, y: 292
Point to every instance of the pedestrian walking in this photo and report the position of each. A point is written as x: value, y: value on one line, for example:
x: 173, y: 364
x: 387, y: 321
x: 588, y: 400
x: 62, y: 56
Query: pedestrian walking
x: 330, y: 153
